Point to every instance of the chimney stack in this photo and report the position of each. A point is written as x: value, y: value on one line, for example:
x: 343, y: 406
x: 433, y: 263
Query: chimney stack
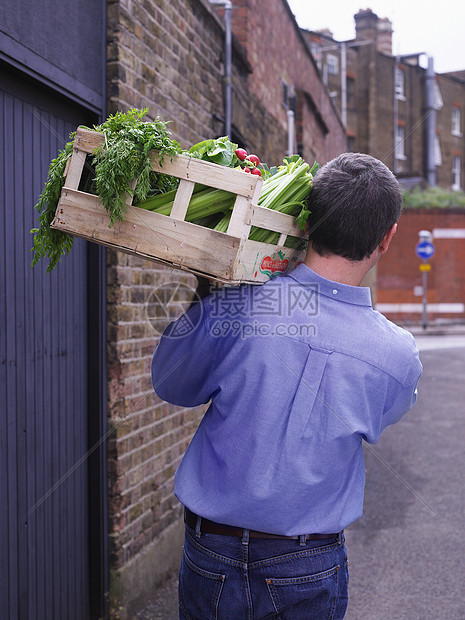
x: 384, y: 41
x: 368, y: 26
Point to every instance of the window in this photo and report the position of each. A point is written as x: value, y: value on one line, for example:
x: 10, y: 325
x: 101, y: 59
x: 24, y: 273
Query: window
x: 456, y: 165
x: 437, y: 152
x: 455, y: 121
x: 333, y: 64
x: 350, y: 92
x: 437, y: 97
x: 285, y: 91
x: 399, y: 83
x: 399, y: 142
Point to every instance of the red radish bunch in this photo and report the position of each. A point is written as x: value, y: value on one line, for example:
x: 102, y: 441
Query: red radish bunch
x: 247, y: 160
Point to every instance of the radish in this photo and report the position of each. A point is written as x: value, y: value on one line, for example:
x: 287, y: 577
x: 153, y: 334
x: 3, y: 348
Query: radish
x: 241, y: 154
x: 254, y: 159
x: 256, y: 171
x: 247, y: 170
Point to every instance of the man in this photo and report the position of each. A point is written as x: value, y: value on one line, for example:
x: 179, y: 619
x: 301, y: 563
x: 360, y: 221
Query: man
x: 299, y: 372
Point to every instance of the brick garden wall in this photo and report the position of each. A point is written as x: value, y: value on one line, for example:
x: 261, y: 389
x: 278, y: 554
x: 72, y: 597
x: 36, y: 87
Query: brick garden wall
x: 399, y: 273
x: 167, y: 56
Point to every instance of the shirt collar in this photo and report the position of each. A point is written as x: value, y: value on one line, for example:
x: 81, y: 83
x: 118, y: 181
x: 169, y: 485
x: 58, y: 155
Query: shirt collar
x: 360, y: 295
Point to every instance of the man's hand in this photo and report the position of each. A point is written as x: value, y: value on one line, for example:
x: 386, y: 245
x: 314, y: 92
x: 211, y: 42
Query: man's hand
x: 204, y: 288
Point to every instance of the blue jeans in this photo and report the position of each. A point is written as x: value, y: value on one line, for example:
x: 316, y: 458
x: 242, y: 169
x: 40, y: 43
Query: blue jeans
x: 229, y: 578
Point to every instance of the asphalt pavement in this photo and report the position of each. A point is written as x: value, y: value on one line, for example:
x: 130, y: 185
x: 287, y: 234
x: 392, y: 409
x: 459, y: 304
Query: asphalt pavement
x: 406, y: 551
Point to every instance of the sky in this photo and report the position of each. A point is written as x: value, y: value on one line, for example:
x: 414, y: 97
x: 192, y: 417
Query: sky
x: 436, y: 27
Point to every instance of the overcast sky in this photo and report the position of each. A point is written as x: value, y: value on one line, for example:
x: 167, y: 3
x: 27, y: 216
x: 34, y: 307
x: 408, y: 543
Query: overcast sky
x: 436, y: 27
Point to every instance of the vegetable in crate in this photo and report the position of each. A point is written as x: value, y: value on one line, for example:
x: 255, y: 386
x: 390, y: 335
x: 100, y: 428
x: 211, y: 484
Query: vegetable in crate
x: 125, y: 157
x: 284, y: 190
x: 206, y: 202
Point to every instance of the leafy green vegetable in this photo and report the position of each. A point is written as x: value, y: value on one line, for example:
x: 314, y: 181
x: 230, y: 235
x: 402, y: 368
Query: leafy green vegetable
x: 47, y: 241
x: 286, y: 191
x: 219, y: 151
x: 123, y: 159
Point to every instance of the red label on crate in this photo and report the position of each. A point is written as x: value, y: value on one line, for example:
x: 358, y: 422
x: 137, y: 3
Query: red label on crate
x: 272, y: 266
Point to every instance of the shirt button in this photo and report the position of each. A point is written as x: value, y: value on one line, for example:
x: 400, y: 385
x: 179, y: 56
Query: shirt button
x: 334, y: 291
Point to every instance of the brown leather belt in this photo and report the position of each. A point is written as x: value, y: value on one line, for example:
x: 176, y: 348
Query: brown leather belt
x: 210, y: 527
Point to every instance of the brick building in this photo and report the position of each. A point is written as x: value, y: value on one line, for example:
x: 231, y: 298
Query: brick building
x: 393, y: 107
x: 169, y: 57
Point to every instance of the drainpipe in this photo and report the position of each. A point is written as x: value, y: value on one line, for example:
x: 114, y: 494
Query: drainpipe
x: 344, y: 84
x: 395, y: 107
x: 430, y: 124
x: 227, y: 62
x: 290, y: 132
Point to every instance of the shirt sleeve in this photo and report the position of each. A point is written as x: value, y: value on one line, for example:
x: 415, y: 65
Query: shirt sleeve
x: 183, y: 361
x: 404, y: 399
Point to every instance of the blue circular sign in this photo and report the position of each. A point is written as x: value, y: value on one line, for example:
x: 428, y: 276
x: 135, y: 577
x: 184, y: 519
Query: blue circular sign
x: 424, y: 249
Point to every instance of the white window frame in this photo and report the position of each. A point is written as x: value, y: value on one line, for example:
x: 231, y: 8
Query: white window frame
x: 437, y: 151
x: 456, y: 121
x: 438, y: 103
x: 332, y: 63
x: 399, y: 141
x: 399, y: 86
x: 456, y: 169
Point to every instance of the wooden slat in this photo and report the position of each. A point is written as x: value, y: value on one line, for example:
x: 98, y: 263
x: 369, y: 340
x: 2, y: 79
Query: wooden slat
x: 207, y: 173
x: 274, y: 220
x: 87, y: 140
x: 76, y: 165
x: 239, y: 224
x: 185, y: 167
x: 181, y: 201
x: 153, y: 236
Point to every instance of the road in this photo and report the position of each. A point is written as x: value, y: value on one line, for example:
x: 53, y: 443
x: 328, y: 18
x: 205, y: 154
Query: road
x: 406, y: 552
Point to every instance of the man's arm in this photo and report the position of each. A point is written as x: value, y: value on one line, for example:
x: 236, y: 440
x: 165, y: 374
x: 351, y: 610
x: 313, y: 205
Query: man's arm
x: 183, y: 361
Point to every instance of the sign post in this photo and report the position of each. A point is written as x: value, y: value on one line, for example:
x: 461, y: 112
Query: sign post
x: 425, y: 250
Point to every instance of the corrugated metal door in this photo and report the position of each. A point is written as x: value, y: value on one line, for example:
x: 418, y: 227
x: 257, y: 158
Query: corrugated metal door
x: 43, y: 383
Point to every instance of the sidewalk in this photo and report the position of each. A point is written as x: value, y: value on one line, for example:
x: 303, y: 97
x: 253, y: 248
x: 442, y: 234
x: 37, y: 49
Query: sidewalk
x: 436, y: 329
x: 164, y: 605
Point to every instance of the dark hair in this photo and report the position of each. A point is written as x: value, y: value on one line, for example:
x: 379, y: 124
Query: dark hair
x: 354, y: 201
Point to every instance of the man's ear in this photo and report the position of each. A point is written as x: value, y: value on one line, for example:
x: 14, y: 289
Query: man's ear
x: 383, y: 246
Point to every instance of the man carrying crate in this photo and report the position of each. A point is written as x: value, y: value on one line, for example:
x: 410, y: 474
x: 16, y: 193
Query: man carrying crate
x: 299, y: 372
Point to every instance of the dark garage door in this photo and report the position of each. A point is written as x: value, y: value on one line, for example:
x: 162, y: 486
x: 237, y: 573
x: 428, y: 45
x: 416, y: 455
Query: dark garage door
x: 43, y: 384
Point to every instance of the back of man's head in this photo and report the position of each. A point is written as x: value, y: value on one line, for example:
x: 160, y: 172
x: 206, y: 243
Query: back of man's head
x: 354, y: 201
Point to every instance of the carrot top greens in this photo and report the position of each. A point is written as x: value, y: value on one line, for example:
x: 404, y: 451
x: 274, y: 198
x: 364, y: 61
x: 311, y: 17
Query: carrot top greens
x: 122, y: 158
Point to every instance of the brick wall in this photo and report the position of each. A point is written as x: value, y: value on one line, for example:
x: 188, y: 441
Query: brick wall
x: 167, y: 56
x: 399, y: 275
x: 163, y: 55
x: 278, y: 53
x: 452, y: 92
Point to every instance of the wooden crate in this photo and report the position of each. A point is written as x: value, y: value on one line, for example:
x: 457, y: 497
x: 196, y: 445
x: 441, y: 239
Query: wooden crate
x: 226, y: 257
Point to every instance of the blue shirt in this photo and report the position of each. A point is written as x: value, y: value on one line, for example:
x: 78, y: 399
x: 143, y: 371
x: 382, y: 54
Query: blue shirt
x: 299, y: 371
